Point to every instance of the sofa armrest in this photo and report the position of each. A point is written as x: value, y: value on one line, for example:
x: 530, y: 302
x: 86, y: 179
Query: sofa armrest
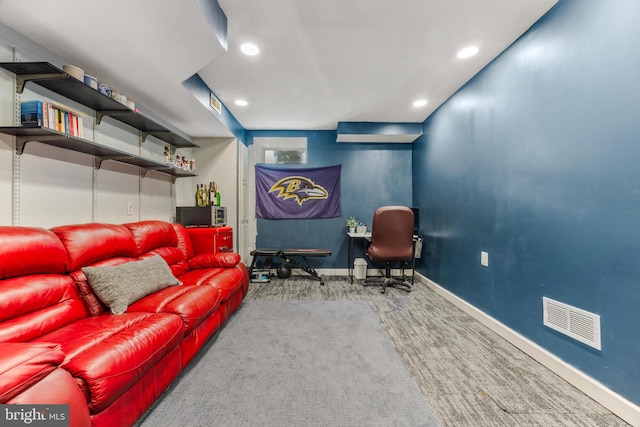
x: 211, y: 260
x: 30, y: 375
x: 24, y: 364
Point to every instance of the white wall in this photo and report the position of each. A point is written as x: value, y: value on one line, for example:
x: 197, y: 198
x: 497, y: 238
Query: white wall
x: 48, y: 186
x: 217, y: 161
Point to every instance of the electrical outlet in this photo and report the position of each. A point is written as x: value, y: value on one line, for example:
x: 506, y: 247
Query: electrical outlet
x: 129, y: 208
x: 484, y: 258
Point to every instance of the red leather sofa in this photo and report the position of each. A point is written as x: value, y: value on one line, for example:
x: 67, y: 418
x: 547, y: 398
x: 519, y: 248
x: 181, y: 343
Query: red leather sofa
x: 59, y: 343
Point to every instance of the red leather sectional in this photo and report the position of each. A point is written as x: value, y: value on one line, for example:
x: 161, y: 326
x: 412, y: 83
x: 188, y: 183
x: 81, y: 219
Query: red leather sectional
x: 60, y: 344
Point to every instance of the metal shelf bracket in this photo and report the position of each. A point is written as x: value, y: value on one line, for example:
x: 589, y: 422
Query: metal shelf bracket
x: 21, y: 141
x: 143, y: 172
x: 101, y: 114
x: 144, y: 135
x: 22, y: 79
x: 97, y: 160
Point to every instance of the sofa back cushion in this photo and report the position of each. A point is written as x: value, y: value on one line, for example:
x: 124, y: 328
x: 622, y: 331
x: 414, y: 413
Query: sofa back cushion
x: 94, y: 244
x: 87, y: 244
x: 159, y: 238
x: 30, y: 250
x: 36, y: 304
x: 151, y: 234
x: 35, y: 296
x: 184, y: 241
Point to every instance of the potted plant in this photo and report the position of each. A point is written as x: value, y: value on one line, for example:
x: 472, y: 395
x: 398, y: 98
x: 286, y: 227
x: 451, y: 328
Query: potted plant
x: 352, y: 223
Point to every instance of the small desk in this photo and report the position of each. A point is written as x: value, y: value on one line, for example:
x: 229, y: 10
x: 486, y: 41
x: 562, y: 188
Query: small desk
x: 367, y: 236
x: 352, y: 238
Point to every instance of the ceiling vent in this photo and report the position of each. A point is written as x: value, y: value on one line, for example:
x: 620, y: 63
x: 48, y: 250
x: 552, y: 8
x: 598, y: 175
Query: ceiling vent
x: 215, y: 104
x: 574, y: 322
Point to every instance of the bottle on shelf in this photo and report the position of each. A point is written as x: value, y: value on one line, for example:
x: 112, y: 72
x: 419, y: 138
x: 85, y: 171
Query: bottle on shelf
x: 217, y: 195
x: 198, y: 195
x: 205, y: 196
x: 212, y: 194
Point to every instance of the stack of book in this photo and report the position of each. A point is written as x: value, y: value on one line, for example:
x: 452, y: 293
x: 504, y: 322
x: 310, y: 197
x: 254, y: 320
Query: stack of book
x: 48, y: 115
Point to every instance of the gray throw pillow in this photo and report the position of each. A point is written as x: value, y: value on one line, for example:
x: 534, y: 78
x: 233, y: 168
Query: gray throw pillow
x: 119, y: 285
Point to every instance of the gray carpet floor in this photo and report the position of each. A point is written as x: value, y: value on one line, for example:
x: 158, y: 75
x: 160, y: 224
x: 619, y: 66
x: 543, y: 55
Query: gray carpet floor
x: 469, y: 376
x: 296, y: 363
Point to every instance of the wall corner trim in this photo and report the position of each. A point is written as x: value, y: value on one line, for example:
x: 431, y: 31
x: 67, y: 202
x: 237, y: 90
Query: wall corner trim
x: 617, y: 404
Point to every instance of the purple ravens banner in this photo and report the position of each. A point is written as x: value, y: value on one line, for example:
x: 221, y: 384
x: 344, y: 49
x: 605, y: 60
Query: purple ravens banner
x: 285, y: 193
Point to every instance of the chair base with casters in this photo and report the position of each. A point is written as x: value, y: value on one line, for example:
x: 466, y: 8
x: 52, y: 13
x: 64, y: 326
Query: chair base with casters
x: 403, y: 282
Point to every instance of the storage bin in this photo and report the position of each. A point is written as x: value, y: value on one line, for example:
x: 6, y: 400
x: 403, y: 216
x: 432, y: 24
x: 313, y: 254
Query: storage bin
x: 360, y: 268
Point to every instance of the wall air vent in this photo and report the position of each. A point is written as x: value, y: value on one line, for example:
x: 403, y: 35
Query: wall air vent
x: 215, y: 104
x: 574, y: 322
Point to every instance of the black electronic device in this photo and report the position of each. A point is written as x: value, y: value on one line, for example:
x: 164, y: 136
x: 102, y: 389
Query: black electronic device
x: 201, y: 216
x: 416, y: 220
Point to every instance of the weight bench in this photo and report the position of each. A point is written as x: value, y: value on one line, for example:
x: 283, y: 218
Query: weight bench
x: 289, y: 257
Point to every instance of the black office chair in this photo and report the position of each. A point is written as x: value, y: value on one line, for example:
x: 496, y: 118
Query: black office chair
x: 392, y: 243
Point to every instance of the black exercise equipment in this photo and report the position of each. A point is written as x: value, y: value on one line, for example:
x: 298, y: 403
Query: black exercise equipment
x: 289, y: 257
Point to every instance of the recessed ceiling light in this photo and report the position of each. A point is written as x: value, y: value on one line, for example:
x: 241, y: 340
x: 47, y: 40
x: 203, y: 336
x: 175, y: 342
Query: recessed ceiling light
x: 468, y: 52
x: 241, y: 102
x: 249, y: 49
x: 420, y: 103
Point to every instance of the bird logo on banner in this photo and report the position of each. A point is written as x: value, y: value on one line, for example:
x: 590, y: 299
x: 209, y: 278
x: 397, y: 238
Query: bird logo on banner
x: 299, y: 188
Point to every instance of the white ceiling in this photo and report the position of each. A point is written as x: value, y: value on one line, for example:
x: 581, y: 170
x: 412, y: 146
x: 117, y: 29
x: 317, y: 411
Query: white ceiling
x: 321, y: 62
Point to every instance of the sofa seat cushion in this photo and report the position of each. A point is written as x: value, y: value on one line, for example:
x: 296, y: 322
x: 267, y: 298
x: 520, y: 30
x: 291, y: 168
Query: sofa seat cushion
x: 192, y: 303
x: 198, y: 277
x: 24, y: 364
x: 227, y: 280
x: 108, y: 354
x: 119, y: 285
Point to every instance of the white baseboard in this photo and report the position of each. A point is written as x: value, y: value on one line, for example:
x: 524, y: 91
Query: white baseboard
x: 617, y: 404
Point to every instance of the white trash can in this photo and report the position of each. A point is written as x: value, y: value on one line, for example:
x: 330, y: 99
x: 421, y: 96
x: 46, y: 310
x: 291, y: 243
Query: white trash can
x: 360, y: 268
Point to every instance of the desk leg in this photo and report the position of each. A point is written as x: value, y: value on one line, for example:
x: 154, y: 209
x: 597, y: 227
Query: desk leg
x: 350, y: 260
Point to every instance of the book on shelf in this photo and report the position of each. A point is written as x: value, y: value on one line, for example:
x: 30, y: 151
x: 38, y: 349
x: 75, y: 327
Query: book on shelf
x: 51, y: 116
x: 31, y: 113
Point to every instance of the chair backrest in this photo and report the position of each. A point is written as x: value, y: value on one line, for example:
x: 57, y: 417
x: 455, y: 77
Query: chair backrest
x: 392, y: 234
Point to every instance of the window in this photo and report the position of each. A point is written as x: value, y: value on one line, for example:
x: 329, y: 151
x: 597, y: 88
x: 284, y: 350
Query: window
x: 285, y: 156
x: 281, y: 150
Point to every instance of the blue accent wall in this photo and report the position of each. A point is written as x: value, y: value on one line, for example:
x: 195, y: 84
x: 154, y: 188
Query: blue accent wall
x: 372, y: 175
x: 537, y: 161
